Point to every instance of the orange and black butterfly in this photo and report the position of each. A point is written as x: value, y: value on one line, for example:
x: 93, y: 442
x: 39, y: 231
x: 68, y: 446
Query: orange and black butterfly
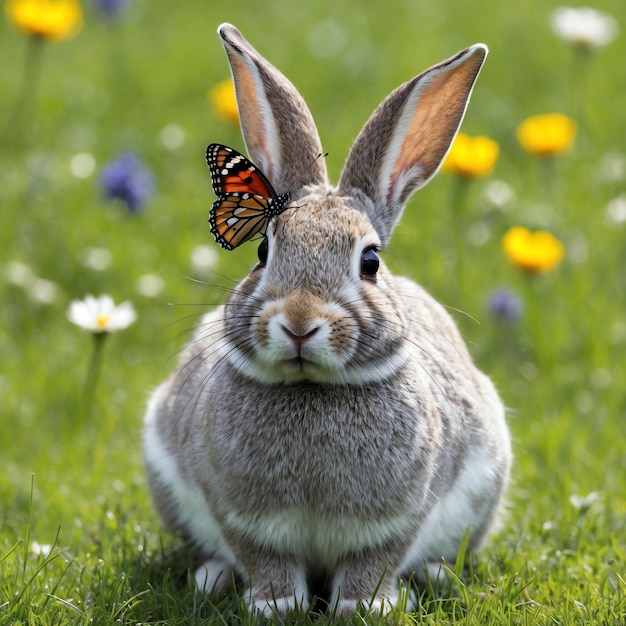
x: 246, y: 201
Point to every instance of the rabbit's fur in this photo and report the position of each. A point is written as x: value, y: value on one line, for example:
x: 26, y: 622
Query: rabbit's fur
x: 324, y: 422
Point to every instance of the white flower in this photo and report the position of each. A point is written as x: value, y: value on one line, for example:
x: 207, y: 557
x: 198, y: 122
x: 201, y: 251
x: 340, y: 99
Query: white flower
x: 499, y: 194
x: 44, y: 291
x: 584, y: 27
x: 19, y: 274
x: 612, y: 168
x: 98, y: 259
x: 39, y: 549
x: 203, y: 258
x: 583, y: 503
x: 172, y: 136
x: 82, y: 165
x: 616, y: 210
x: 100, y: 315
x: 150, y: 285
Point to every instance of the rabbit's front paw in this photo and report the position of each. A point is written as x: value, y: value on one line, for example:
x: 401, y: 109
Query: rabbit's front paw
x: 214, y: 575
x: 376, y: 606
x: 278, y: 590
x: 278, y: 606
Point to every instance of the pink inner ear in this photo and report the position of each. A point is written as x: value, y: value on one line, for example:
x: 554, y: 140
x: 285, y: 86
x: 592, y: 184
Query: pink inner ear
x: 439, y: 106
x: 249, y: 108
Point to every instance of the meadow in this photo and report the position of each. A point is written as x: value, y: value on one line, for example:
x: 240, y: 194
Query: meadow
x: 79, y: 540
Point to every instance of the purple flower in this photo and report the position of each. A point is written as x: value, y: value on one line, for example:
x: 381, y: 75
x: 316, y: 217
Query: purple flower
x: 110, y: 8
x: 504, y: 305
x: 127, y: 180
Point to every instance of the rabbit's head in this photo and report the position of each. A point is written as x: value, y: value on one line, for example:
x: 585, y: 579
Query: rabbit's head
x: 321, y: 305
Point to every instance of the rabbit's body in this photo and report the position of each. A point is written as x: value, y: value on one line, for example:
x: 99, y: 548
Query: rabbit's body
x: 325, y: 421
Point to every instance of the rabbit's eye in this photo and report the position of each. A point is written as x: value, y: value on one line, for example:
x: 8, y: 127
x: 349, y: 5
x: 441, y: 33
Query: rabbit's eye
x: 262, y: 252
x: 369, y: 263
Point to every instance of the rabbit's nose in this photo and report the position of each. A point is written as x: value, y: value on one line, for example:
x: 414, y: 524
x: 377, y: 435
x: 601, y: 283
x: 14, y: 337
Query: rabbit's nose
x: 299, y: 338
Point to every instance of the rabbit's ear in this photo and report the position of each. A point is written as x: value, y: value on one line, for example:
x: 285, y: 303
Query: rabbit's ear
x: 277, y: 126
x: 405, y: 141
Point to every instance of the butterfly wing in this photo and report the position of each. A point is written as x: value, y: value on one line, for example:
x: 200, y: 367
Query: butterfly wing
x: 233, y: 173
x: 236, y: 218
x: 246, y: 201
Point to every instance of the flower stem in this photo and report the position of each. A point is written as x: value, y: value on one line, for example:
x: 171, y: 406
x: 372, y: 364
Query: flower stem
x: 93, y: 374
x: 15, y: 132
x: 548, y: 179
x: 458, y: 203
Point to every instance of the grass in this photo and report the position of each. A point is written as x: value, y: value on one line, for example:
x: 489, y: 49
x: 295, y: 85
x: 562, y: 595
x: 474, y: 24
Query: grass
x: 79, y: 541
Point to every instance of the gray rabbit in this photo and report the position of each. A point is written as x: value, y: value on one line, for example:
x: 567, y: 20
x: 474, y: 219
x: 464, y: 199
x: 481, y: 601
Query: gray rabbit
x: 327, y: 421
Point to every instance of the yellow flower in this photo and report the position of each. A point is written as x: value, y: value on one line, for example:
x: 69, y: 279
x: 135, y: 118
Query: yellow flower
x: 534, y: 252
x: 471, y: 156
x: 49, y: 19
x: 547, y: 135
x: 222, y: 97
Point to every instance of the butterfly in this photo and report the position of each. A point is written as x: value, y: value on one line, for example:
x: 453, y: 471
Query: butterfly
x: 246, y: 201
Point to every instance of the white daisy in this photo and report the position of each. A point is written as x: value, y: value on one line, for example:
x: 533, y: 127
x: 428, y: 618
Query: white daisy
x: 101, y: 315
x: 584, y: 27
x: 40, y: 549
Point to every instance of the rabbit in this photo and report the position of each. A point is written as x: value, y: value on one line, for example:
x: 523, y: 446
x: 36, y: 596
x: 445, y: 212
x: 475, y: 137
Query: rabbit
x: 327, y: 421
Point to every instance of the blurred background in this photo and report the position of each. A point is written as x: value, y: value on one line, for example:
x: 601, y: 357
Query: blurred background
x: 105, y: 113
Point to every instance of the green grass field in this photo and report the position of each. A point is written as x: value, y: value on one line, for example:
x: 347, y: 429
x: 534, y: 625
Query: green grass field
x: 79, y: 540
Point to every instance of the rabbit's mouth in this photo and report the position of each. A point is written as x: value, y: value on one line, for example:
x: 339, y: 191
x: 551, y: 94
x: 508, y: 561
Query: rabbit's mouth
x: 299, y: 363
x: 291, y: 369
x: 306, y: 369
x: 299, y: 368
